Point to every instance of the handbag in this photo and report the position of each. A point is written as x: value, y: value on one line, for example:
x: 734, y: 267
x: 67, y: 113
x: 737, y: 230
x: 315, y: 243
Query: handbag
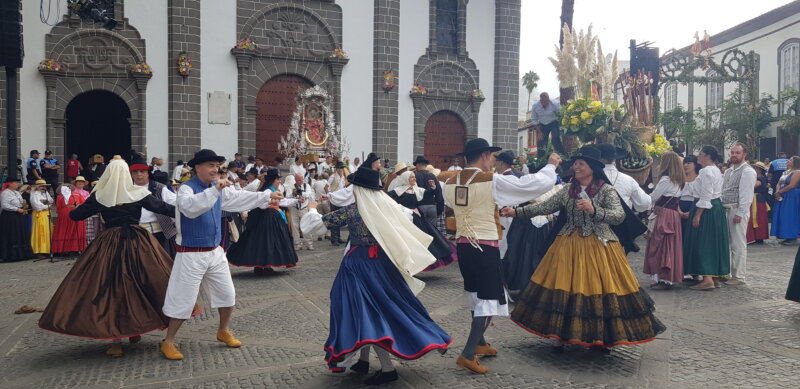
x: 234, y: 231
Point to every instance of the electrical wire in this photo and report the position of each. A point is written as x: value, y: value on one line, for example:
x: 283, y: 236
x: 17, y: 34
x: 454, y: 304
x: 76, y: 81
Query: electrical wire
x: 45, y: 17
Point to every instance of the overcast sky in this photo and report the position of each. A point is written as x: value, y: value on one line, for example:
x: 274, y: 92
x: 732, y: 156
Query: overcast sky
x: 668, y: 24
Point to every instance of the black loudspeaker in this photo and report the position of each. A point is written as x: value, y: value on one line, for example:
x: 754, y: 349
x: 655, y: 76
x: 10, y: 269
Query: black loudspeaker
x: 646, y: 59
x: 11, y: 52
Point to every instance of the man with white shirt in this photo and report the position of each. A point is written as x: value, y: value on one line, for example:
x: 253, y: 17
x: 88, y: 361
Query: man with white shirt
x: 162, y: 227
x: 326, y: 166
x: 629, y: 190
x: 456, y: 165
x: 544, y: 115
x: 252, y: 180
x: 297, y: 168
x: 304, y: 194
x: 738, y: 185
x: 176, y: 174
x: 354, y: 165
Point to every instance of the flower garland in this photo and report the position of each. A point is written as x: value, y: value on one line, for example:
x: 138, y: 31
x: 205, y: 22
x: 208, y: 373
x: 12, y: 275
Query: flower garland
x: 389, y: 80
x: 141, y: 68
x: 184, y: 65
x: 339, y: 53
x: 49, y: 64
x: 419, y: 90
x: 246, y: 44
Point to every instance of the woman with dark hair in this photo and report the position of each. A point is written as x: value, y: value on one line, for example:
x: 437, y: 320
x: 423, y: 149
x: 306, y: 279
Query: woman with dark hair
x: 706, y: 245
x: 664, y: 258
x: 584, y: 292
x: 758, y: 226
x: 266, y: 242
x: 691, y: 169
x: 786, y: 215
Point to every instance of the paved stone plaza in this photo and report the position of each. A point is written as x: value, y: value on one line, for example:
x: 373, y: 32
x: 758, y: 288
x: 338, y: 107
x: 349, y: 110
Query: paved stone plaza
x: 732, y: 337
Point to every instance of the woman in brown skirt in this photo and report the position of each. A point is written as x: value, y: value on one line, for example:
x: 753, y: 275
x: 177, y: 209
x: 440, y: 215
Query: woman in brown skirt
x: 117, y: 287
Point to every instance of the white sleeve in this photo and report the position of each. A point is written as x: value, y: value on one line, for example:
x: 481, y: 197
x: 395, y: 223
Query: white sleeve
x: 312, y: 224
x: 36, y: 201
x: 663, y: 185
x: 639, y: 198
x: 240, y: 201
x: 703, y: 188
x: 193, y: 205
x: 510, y: 190
x: 167, y: 196
x: 5, y: 200
x: 342, y: 197
x: 747, y: 185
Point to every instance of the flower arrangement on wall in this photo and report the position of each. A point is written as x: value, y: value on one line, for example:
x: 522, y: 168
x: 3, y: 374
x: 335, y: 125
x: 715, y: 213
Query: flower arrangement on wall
x: 184, y: 64
x: 141, y: 68
x: 389, y: 80
x: 419, y: 90
x: 476, y: 94
x: 339, y: 53
x: 49, y: 64
x: 246, y: 44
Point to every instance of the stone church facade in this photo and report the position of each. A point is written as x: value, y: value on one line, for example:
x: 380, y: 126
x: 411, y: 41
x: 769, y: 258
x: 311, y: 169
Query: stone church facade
x: 460, y: 57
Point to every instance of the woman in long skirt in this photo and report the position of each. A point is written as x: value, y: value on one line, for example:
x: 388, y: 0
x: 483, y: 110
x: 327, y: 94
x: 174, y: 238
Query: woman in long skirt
x: 373, y: 300
x: 266, y: 242
x: 793, y: 291
x: 408, y: 194
x: 786, y: 215
x: 664, y: 258
x: 758, y: 227
x: 41, y: 201
x: 117, y: 286
x: 584, y: 292
x: 15, y: 241
x: 706, y: 245
x: 69, y: 236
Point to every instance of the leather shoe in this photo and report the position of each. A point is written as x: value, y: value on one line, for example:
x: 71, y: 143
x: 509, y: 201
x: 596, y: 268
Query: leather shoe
x: 474, y: 365
x: 115, y: 350
x: 381, y: 378
x: 361, y: 367
x: 170, y: 351
x: 226, y: 336
x: 734, y: 282
x: 485, y: 351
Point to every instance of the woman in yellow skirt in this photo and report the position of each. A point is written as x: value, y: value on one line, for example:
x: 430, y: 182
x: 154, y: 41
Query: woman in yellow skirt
x: 584, y: 292
x: 40, y: 234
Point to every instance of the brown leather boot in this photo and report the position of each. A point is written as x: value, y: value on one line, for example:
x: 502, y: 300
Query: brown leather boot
x: 485, y: 351
x: 473, y: 365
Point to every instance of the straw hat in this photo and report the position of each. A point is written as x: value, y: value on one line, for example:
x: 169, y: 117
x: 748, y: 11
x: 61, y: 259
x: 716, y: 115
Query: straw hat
x: 41, y: 183
x: 400, y: 166
x: 79, y: 178
x: 761, y: 166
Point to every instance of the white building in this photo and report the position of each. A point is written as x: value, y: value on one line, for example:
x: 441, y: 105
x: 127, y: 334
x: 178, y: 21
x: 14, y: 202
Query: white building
x: 466, y: 55
x: 775, y: 38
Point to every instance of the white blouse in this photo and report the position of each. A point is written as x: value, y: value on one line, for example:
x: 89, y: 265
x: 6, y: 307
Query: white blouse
x: 11, y: 200
x: 708, y: 186
x: 688, y: 192
x: 664, y: 188
x: 38, y: 197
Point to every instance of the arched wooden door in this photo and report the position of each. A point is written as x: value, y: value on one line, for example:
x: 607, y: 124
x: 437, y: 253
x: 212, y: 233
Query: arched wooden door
x: 276, y: 104
x: 445, y: 136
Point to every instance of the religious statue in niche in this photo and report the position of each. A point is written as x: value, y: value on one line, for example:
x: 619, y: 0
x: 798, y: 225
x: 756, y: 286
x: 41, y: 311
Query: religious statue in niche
x: 314, y: 124
x: 313, y: 129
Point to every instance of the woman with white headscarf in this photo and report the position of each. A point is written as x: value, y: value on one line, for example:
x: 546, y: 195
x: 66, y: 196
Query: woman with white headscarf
x: 373, y: 298
x: 408, y: 194
x: 117, y: 286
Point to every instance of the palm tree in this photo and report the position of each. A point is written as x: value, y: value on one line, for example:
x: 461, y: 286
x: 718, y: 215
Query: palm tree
x: 530, y: 81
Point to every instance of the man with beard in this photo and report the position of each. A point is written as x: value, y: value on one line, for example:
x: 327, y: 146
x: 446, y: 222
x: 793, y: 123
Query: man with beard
x: 738, y: 185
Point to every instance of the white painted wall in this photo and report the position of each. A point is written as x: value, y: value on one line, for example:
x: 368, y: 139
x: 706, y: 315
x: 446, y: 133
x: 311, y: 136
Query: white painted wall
x: 480, y: 46
x: 413, y: 42
x: 219, y: 73
x: 356, y: 120
x: 150, y: 18
x: 33, y: 93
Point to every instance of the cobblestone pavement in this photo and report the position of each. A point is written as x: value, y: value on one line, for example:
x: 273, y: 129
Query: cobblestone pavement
x: 743, y: 336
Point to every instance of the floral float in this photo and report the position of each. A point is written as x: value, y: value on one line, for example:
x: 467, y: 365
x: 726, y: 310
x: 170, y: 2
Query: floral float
x: 583, y: 117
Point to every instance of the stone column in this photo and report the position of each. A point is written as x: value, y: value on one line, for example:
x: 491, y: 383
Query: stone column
x: 386, y: 56
x: 506, y: 72
x: 184, y: 92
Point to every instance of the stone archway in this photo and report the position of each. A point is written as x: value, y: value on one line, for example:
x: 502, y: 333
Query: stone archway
x: 445, y: 135
x: 97, y: 122
x: 276, y: 103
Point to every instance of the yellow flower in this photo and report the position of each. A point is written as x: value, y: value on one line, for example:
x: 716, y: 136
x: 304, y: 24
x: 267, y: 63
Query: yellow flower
x: 585, y: 115
x: 595, y: 104
x: 571, y: 107
x: 575, y: 121
x: 564, y: 121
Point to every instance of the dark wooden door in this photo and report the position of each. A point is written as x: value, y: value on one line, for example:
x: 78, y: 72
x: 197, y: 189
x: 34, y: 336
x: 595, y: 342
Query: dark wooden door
x: 276, y: 104
x: 445, y: 136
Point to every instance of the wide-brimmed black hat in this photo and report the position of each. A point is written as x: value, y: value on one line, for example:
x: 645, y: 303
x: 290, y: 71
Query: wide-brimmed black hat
x: 366, y: 178
x: 253, y: 171
x: 339, y: 165
x: 421, y: 159
x: 161, y: 177
x: 591, y: 155
x: 478, y: 145
x: 203, y: 156
x: 272, y: 174
x: 611, y: 152
x: 506, y: 156
x: 371, y: 158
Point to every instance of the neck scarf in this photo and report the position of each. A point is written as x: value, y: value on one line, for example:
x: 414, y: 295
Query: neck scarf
x: 591, y: 189
x: 116, y: 186
x: 277, y: 207
x: 402, y: 186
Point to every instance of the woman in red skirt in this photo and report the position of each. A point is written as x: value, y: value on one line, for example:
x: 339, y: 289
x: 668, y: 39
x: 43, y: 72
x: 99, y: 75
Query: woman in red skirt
x: 69, y: 236
x: 758, y: 228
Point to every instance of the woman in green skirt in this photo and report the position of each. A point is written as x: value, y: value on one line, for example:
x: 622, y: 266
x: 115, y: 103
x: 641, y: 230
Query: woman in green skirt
x: 793, y: 291
x: 706, y: 247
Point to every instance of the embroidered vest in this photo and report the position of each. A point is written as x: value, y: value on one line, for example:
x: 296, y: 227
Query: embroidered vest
x: 204, y: 230
x: 167, y: 223
x: 730, y: 185
x: 479, y: 219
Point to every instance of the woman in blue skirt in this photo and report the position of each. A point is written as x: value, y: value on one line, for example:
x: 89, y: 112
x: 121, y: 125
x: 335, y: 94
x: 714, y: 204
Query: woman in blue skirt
x: 373, y: 298
x: 786, y: 214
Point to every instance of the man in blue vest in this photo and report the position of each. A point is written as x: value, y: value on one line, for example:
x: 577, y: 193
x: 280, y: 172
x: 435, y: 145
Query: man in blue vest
x: 199, y: 206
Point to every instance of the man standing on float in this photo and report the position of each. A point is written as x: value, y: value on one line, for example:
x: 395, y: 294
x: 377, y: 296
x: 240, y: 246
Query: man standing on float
x: 199, y: 204
x: 474, y: 193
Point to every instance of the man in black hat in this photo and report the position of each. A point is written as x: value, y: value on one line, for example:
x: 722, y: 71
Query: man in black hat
x: 50, y: 168
x: 200, y: 259
x: 504, y: 161
x: 475, y: 194
x: 32, y: 166
x: 336, y: 181
x: 629, y: 190
x: 432, y: 204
